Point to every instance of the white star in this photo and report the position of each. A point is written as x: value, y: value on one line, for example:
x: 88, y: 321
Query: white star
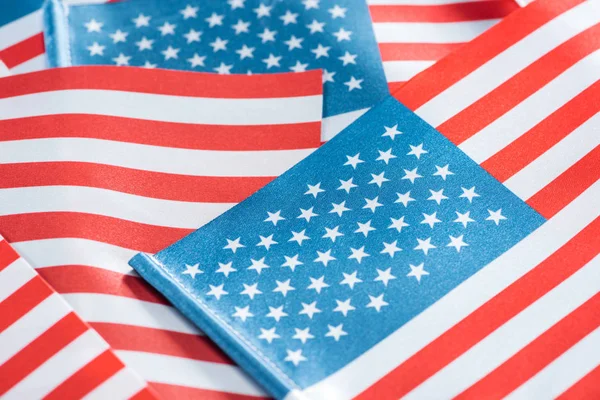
x: 404, y: 198
x: 307, y: 214
x: 327, y: 76
x: 385, y: 156
x: 119, y: 36
x: 384, y: 276
x: 214, y: 20
x: 122, y: 59
x: 93, y: 25
x: 283, y: 287
x: 236, y: 4
x: 430, y: 219
x: 324, y: 257
x: 299, y: 237
x: 377, y: 302
x: 309, y: 309
x: 372, y: 204
x: 262, y: 11
x: 353, y: 161
x: 390, y: 248
x: 95, y: 48
x: 342, y: 34
x: 308, y: 4
x: 258, y: 265
x: 424, y: 245
x: 167, y: 29
x: 268, y: 334
x: 347, y: 185
x: 337, y: 12
x: 348, y: 58
x: 417, y: 271
x: 246, y: 52
x: 292, y: 262
x: 242, y: 313
x: 241, y: 27
x: 469, y: 194
x: 314, y: 189
x: 295, y: 357
x: 192, y: 36
x: 457, y: 243
x: 350, y: 279
x: 274, y: 217
x: 197, y: 60
x: 294, y: 43
x: 358, y: 254
x: 411, y: 175
x: 463, y: 218
x: 332, y: 233
x: 437, y: 196
x: 344, y: 307
x: 353, y: 83
x: 144, y: 44
x: 251, y: 291
x: 391, y: 132
x: 336, y: 332
x: 398, y: 224
x: 170, y: 52
x: 189, y: 12
x: 495, y: 216
x: 321, y: 51
x: 417, y: 151
x: 303, y: 335
x: 223, y: 69
x: 148, y: 64
x: 266, y: 242
x: 315, y: 26
x: 339, y: 209
x: 289, y: 18
x: 192, y: 270
x: 267, y: 35
x: 226, y: 269
x: 219, y: 44
x: 233, y: 245
x: 141, y: 20
x: 276, y: 313
x: 443, y: 171
x: 378, y: 179
x: 364, y: 228
x: 299, y: 67
x: 317, y: 284
x: 216, y: 291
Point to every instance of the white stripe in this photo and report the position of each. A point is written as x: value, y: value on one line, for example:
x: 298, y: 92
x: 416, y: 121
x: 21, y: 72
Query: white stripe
x: 514, y: 335
x: 556, y: 160
x: 109, y: 203
x: 59, y: 367
x: 418, y: 2
x: 562, y: 373
x: 74, y: 251
x: 461, y: 301
x: 30, y: 326
x: 17, y: 274
x: 93, y: 307
x: 160, y: 107
x: 3, y: 69
x: 508, y: 63
x: 153, y: 158
x: 122, y: 385
x: 20, y: 29
x: 533, y: 110
x: 402, y: 71
x: 430, y: 32
x: 192, y: 373
x: 36, y: 63
x: 331, y: 126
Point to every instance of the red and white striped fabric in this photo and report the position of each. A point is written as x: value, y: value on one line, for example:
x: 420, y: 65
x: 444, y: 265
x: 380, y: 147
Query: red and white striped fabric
x: 46, y: 350
x: 99, y: 163
x: 414, y: 34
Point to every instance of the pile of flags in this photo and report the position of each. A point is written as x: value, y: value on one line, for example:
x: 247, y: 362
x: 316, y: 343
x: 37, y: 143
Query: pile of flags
x: 316, y: 199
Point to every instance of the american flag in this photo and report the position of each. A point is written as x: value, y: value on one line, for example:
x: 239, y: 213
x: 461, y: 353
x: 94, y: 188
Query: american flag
x: 46, y: 350
x: 91, y: 155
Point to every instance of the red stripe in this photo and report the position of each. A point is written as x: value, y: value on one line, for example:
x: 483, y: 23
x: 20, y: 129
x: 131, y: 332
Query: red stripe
x: 586, y: 389
x: 188, y: 393
x: 145, y: 394
x: 567, y: 186
x: 23, y: 51
x: 198, y: 189
x: 528, y: 81
x: 7, y: 254
x: 85, y: 279
x: 495, y: 40
x: 538, y: 354
x: 165, y: 134
x: 490, y: 316
x: 471, y: 11
x: 87, y: 378
x: 416, y: 51
x: 535, y: 142
x: 22, y: 301
x: 179, y: 83
x: 158, y: 341
x: 395, y: 85
x: 40, y: 350
x: 118, y: 232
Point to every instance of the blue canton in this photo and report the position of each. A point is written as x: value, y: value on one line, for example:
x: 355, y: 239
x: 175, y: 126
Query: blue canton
x: 237, y: 36
x: 347, y: 246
